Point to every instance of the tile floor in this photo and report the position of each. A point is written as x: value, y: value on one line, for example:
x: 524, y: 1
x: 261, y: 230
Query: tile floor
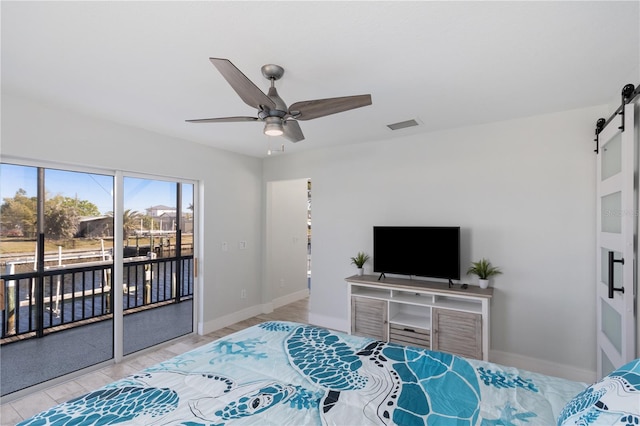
x: 25, y: 407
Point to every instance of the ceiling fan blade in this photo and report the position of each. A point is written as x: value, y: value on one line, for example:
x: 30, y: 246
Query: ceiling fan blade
x: 308, y: 110
x: 223, y: 120
x: 245, y: 88
x: 292, y: 131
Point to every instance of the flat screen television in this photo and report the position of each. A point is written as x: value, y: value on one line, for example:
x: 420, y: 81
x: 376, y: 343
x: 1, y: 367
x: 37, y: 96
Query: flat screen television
x: 426, y: 251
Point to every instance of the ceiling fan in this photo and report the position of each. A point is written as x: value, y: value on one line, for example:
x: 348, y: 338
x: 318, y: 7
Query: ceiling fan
x: 279, y: 120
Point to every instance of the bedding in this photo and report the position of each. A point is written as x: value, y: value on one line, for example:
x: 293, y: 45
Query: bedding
x: 614, y: 400
x: 284, y: 373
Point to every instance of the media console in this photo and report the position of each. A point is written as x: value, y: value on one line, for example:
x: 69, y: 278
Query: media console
x: 421, y: 313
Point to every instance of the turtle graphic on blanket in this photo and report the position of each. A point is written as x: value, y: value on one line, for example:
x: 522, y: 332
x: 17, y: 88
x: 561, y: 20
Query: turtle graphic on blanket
x: 400, y: 385
x: 395, y: 382
x: 147, y: 399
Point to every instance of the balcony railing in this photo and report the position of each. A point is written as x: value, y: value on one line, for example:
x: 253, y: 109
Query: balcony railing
x: 82, y: 293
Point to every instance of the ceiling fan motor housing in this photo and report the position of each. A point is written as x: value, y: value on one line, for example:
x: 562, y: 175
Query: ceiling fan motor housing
x: 272, y: 71
x: 281, y: 108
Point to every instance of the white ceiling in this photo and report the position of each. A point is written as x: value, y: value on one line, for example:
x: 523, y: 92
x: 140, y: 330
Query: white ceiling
x: 445, y: 64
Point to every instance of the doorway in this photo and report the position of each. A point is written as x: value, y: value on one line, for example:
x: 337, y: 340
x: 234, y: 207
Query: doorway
x: 288, y: 241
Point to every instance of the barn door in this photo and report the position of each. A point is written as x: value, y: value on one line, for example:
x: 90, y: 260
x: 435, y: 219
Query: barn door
x: 616, y: 207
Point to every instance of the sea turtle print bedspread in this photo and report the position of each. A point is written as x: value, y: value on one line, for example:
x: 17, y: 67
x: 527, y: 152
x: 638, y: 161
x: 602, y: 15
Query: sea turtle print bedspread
x: 283, y: 373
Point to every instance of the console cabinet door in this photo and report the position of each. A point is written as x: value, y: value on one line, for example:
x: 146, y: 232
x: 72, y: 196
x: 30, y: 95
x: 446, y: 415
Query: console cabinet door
x: 458, y: 333
x: 369, y: 317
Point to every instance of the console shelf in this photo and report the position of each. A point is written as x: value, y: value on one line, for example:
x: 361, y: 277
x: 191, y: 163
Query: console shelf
x: 421, y: 313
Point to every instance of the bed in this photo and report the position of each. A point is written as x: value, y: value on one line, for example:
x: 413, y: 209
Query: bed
x: 285, y: 373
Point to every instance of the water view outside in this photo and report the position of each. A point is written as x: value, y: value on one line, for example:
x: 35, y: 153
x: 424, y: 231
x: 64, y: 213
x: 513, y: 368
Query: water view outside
x: 75, y: 232
x: 56, y: 241
x: 165, y: 228
x: 56, y: 262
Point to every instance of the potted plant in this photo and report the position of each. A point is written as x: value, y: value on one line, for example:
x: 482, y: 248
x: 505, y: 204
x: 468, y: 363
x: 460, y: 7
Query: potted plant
x: 359, y: 260
x: 484, y: 271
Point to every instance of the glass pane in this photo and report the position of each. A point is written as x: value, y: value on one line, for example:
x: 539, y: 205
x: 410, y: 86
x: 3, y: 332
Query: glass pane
x: 78, y: 231
x: 611, y: 325
x: 18, y: 212
x: 18, y: 240
x: 607, y: 365
x: 158, y: 287
x: 74, y: 283
x: 612, y: 213
x: 612, y: 157
x: 617, y: 268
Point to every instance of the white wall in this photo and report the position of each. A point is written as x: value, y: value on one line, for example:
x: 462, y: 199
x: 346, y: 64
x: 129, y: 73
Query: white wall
x: 231, y: 189
x: 524, y: 193
x: 286, y: 241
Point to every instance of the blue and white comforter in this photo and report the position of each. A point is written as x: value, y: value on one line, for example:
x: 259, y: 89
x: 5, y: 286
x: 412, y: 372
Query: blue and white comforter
x: 283, y: 373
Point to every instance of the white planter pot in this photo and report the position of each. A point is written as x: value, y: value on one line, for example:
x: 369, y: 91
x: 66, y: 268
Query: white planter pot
x: 483, y: 283
x: 360, y: 271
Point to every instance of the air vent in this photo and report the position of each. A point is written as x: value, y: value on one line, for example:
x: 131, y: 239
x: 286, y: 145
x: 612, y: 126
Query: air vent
x: 402, y: 124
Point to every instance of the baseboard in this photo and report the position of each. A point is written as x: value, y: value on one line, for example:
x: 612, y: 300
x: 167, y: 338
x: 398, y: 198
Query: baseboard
x: 544, y: 367
x: 289, y: 298
x: 227, y: 320
x: 252, y: 311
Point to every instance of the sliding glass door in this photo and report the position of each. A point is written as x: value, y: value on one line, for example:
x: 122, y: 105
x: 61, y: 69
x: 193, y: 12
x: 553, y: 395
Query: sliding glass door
x: 158, y: 262
x: 74, y: 293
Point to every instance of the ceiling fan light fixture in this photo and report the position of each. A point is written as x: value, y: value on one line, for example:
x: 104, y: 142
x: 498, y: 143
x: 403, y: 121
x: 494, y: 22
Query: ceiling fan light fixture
x: 273, y: 126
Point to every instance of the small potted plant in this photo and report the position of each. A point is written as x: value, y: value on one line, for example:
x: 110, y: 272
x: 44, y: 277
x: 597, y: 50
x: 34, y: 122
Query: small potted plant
x: 484, y: 271
x: 359, y: 260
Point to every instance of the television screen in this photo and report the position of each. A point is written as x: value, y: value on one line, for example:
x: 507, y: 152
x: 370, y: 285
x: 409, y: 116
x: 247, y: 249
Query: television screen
x: 425, y: 251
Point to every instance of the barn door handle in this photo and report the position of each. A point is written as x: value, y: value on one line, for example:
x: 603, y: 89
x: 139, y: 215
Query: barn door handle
x: 611, y: 287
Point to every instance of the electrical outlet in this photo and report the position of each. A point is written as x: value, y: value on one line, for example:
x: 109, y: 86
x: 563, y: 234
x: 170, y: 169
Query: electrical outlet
x: 243, y: 293
x: 225, y: 246
x: 242, y: 245
x: 281, y: 282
